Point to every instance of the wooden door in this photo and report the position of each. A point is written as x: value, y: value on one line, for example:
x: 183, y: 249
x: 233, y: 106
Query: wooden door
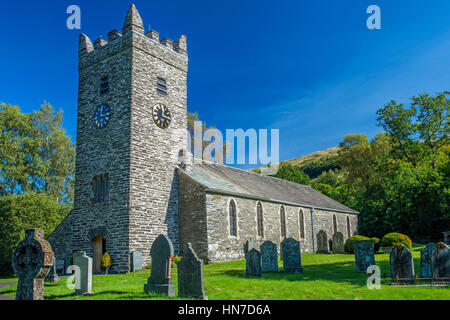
x: 98, y: 251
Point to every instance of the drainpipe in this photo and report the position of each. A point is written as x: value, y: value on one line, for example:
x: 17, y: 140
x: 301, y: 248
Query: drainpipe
x: 312, y: 229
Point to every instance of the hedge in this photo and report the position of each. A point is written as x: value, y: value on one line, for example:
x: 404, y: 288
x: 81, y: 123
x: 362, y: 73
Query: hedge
x: 394, y: 238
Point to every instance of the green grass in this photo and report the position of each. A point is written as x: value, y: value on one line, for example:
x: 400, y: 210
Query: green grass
x: 325, y: 277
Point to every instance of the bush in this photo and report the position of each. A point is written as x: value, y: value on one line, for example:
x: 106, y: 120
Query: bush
x: 376, y: 244
x: 349, y: 243
x: 394, y: 238
x: 106, y: 260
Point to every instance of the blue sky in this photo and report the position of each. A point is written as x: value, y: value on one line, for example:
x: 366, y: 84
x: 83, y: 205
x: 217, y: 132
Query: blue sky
x: 311, y: 69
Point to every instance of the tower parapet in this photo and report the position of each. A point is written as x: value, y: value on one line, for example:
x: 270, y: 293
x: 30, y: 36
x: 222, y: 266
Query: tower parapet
x: 100, y: 42
x: 84, y: 44
x: 133, y: 21
x: 113, y: 35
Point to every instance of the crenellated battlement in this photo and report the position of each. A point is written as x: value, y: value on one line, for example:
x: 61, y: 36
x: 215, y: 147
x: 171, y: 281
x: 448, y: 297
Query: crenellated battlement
x: 133, y: 23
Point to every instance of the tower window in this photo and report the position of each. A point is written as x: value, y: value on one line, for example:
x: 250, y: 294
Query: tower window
x: 161, y: 87
x: 104, y: 85
x: 100, y: 188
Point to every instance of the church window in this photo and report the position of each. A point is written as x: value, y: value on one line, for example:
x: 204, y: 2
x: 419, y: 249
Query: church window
x: 283, y: 222
x: 301, y: 218
x: 100, y: 188
x: 161, y: 87
x: 104, y: 85
x: 348, y: 227
x: 232, y: 216
x: 259, y: 218
x: 334, y: 224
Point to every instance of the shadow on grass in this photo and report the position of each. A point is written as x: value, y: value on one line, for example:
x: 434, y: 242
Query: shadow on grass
x: 339, y: 272
x: 109, y: 295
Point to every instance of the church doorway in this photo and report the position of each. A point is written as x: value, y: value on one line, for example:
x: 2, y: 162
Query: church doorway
x: 99, y: 244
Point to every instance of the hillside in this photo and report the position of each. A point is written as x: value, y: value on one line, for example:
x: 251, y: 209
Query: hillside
x: 315, y: 163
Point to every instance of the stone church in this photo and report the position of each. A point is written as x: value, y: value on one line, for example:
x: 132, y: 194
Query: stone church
x: 130, y: 186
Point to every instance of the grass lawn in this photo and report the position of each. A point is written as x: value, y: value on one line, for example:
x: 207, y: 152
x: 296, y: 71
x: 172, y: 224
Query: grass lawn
x: 325, y: 277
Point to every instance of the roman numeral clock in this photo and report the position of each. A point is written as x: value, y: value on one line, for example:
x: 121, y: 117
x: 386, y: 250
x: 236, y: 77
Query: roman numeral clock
x: 102, y: 115
x: 161, y: 115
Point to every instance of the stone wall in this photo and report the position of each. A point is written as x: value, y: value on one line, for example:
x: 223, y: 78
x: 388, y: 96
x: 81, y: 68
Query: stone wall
x: 222, y: 246
x: 154, y: 151
x: 192, y: 213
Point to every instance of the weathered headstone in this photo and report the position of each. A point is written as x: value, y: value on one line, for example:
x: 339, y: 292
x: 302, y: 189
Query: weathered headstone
x: 338, y: 243
x: 136, y: 260
x: 190, y: 276
x: 60, y: 266
x: 364, y: 255
x: 31, y: 262
x: 52, y: 275
x: 160, y: 280
x: 322, y: 242
x: 425, y: 260
x: 249, y: 245
x: 291, y: 255
x: 253, y: 263
x: 269, y: 257
x: 402, y: 264
x: 83, y: 262
x: 440, y: 262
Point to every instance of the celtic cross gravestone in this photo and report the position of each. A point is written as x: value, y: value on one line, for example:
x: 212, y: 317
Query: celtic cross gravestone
x: 31, y: 262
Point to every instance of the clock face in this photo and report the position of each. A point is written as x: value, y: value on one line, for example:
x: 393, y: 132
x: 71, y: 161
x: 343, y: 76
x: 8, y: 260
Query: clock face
x: 102, y: 115
x: 161, y: 116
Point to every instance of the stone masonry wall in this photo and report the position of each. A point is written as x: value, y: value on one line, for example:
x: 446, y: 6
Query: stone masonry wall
x: 192, y: 215
x: 154, y: 151
x: 105, y: 150
x: 223, y: 247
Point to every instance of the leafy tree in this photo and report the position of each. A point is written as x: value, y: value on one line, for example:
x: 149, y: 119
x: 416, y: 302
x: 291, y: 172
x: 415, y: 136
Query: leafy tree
x: 291, y: 173
x: 21, y: 212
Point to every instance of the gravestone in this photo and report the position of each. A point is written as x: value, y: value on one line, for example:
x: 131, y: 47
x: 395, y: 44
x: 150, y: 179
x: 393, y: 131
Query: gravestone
x: 190, y: 276
x: 160, y: 280
x: 60, y: 266
x: 402, y: 264
x: 83, y: 262
x: 322, y: 242
x: 269, y: 257
x: 338, y: 243
x: 425, y: 261
x: 31, y: 262
x: 52, y: 275
x: 136, y: 260
x: 249, y: 245
x: 440, y: 261
x: 253, y: 263
x: 364, y: 255
x: 291, y: 255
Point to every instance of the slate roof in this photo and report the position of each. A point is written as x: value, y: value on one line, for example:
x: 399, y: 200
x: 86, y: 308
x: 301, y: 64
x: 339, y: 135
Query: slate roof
x: 232, y: 181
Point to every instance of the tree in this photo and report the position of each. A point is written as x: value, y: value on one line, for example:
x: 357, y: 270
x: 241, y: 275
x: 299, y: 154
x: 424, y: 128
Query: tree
x: 18, y: 148
x: 19, y: 212
x: 56, y: 154
x: 291, y: 173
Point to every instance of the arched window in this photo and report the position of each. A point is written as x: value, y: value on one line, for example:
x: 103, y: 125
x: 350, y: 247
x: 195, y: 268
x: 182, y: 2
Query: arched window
x: 334, y: 224
x: 232, y: 216
x: 348, y: 227
x: 301, y: 219
x: 100, y: 188
x: 283, y: 222
x: 260, y: 219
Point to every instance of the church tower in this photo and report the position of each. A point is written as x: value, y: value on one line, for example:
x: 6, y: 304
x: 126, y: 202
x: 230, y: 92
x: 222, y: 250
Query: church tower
x: 132, y: 120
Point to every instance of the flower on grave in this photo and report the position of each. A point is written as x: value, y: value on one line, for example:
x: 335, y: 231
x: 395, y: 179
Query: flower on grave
x: 106, y: 260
